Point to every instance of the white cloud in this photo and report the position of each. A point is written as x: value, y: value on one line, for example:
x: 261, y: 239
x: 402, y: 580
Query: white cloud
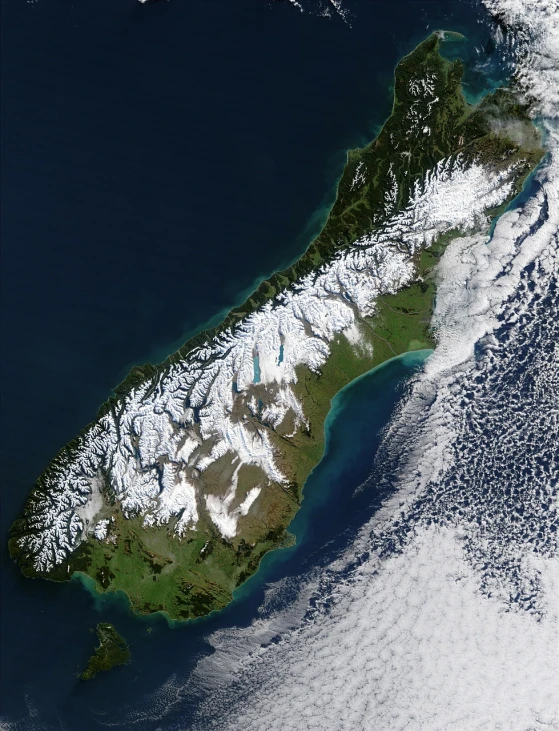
x: 409, y: 644
x: 444, y: 614
x: 148, y: 445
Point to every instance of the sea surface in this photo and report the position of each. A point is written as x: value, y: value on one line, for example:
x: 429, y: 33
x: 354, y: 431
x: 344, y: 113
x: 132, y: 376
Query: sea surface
x: 158, y: 161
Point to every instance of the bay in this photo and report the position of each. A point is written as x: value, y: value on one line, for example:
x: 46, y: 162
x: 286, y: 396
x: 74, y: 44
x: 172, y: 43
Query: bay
x: 158, y: 161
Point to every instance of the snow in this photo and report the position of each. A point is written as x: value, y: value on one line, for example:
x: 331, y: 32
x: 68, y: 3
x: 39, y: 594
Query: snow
x: 218, y: 507
x: 173, y: 427
x: 101, y: 529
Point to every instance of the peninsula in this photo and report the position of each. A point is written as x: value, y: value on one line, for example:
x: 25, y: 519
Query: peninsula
x: 194, y: 468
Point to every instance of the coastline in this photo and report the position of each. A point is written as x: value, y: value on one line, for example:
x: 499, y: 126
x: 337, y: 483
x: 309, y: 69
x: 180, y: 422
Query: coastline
x: 412, y: 359
x: 403, y: 326
x: 261, y: 155
x: 119, y: 598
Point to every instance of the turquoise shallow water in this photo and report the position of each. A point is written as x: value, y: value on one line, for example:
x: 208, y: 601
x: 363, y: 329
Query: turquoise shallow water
x: 256, y: 363
x: 358, y: 414
x: 333, y: 509
x: 484, y: 72
x: 172, y: 155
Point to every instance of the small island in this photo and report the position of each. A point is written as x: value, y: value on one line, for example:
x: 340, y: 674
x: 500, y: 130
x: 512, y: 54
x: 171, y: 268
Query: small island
x: 112, y: 650
x: 194, y: 468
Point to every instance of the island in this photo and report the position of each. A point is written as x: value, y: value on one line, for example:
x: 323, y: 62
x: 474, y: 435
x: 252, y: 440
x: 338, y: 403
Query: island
x: 112, y: 651
x: 194, y: 468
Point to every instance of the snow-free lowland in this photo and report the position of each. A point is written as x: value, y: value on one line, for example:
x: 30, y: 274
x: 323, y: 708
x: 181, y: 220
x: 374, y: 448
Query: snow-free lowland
x: 155, y: 423
x: 194, y: 469
x: 444, y: 613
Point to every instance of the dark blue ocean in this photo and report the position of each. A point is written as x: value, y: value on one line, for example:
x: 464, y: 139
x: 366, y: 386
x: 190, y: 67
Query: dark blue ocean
x: 157, y: 161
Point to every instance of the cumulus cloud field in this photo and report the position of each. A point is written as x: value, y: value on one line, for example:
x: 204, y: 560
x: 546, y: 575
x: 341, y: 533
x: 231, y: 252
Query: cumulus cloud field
x: 444, y: 614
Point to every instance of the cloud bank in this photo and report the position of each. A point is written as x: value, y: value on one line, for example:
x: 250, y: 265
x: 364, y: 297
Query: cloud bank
x: 443, y: 614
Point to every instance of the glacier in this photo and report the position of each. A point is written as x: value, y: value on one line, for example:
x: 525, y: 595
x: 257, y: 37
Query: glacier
x: 443, y: 613
x: 153, y: 446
